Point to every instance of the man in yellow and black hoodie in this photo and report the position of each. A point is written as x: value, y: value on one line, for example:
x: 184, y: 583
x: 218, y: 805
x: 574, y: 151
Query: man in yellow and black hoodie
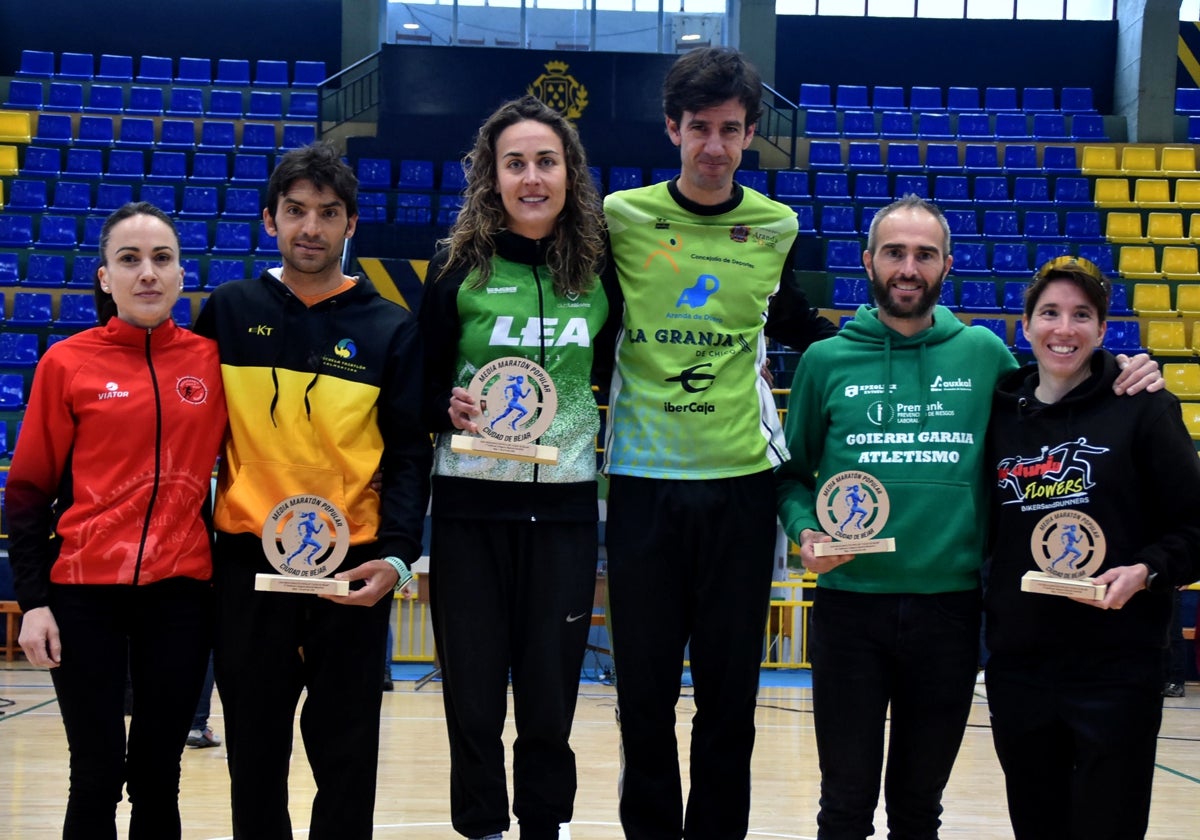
x: 324, y: 383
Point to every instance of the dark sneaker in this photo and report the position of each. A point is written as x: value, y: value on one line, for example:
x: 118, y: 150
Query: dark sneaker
x: 201, y: 738
x: 1173, y: 690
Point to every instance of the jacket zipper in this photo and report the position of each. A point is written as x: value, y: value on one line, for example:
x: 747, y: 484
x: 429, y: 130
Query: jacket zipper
x: 137, y: 569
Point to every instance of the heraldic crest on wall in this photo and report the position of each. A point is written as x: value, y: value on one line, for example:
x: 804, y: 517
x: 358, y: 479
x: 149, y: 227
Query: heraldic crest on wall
x: 560, y: 91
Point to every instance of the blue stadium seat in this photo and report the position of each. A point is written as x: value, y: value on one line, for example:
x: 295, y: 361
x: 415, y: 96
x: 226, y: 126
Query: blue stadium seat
x: 194, y: 71
x: 193, y: 236
x: 30, y: 309
x: 92, y: 228
x: 1076, y: 100
x: 1042, y: 226
x: 12, y: 391
x: 805, y: 219
x: 1049, y: 128
x: 904, y: 157
x: 115, y: 68
x: 18, y: 349
x: 991, y: 189
x: 266, y: 243
x: 1072, y: 190
x: 791, y: 186
x: 1001, y: 224
x: 225, y: 270
x: 57, y: 232
x: 454, y: 179
x: 859, y: 124
x: 167, y: 166
x: 27, y: 196
x: 210, y: 167
x: 186, y: 102
x: 105, y: 99
x: 155, y: 68
x: 42, y: 160
x: 178, y: 135
x: 925, y: 98
x: 53, y: 129
x: 73, y: 65
x: 852, y: 97
x: 302, y: 105
x: 65, y: 96
x: 217, y: 136
x: 1088, y: 127
x: 998, y: 99
x: 996, y: 325
x: 825, y: 154
x: 981, y: 159
x: 191, y: 274
x: 233, y: 71
x: 1118, y: 303
x: 95, y: 130
x: 1124, y: 337
x: 976, y: 295
x: 249, y: 168
x: 415, y: 175
x: 755, y: 179
x: 1021, y: 157
x: 372, y: 207
x: 265, y: 105
x: 145, y: 100
x: 1060, y: 159
x: 843, y: 255
x: 258, y: 137
x: 960, y: 99
x: 16, y: 230
x: 947, y: 298
x: 297, y: 135
x: 1031, y: 190
x: 1101, y: 254
x: 413, y: 208
x: 850, y: 292
x: 375, y: 173
x: 975, y: 127
x: 1083, y: 226
x: 619, y: 178
x: 1021, y: 341
x: 911, y: 185
x: 72, y: 197
x: 963, y: 224
x: 259, y: 266
x: 818, y: 123
x: 888, y: 98
x: 1010, y: 259
x: 1043, y: 252
x: 136, y: 131
x: 835, y: 185
x: 1011, y: 126
x: 969, y: 258
x: 242, y: 203
x: 130, y: 163
x: 181, y: 312
x: 897, y: 124
x: 942, y: 157
x: 76, y: 310
x: 1187, y: 100
x: 46, y: 271
x: 25, y: 95
x: 232, y: 237
x: 200, y: 202
x: 1035, y: 99
x: 934, y: 127
x: 837, y: 220
x: 864, y: 156
x: 308, y: 73
x: 162, y: 196
x: 9, y: 273
x: 270, y: 73
x: 815, y: 96
x: 225, y: 103
x: 950, y: 189
x: 36, y: 63
x: 110, y: 196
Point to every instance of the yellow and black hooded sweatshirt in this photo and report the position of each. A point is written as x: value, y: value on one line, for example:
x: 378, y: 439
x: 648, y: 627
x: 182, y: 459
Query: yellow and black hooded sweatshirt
x: 319, y: 399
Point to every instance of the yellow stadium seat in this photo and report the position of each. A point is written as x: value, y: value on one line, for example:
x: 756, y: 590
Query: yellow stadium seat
x: 1187, y: 193
x: 1139, y: 160
x: 1178, y: 161
x: 1124, y: 228
x: 1166, y: 229
x: 1137, y: 263
x: 1187, y: 300
x: 1152, y: 192
x: 1167, y: 338
x: 15, y: 127
x: 1191, y: 419
x: 8, y: 160
x: 1183, y: 379
x: 1152, y: 299
x: 1180, y: 262
x: 1099, y: 160
x: 1114, y: 192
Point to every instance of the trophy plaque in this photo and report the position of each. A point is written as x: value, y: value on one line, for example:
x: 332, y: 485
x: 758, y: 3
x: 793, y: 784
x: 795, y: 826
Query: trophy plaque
x: 518, y: 401
x: 1068, y: 547
x: 306, y: 538
x: 853, y: 507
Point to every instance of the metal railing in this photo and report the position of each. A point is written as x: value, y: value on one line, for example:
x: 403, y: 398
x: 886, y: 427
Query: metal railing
x: 779, y: 124
x: 351, y: 95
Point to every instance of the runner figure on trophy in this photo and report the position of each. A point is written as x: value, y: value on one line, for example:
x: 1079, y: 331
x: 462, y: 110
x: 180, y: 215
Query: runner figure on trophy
x: 855, y: 497
x: 1070, y: 538
x: 308, y: 527
x: 515, y: 394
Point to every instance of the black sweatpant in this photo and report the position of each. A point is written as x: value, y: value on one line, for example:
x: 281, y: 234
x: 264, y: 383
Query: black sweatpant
x: 511, y: 596
x: 688, y: 561
x: 269, y: 647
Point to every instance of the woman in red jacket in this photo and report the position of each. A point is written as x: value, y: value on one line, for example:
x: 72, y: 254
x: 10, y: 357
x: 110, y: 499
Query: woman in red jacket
x: 109, y: 548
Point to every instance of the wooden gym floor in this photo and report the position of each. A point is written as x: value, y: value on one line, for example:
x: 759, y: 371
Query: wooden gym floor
x: 414, y: 766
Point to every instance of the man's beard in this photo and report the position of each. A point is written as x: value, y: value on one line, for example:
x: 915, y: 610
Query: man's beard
x: 921, y: 309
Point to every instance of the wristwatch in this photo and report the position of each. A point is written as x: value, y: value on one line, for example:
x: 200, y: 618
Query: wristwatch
x: 1151, y: 576
x: 405, y: 574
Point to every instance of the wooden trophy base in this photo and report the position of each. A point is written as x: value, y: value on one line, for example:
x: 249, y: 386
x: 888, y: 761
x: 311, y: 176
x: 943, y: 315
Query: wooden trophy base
x: 527, y: 452
x: 827, y: 549
x: 302, y: 586
x: 1067, y: 587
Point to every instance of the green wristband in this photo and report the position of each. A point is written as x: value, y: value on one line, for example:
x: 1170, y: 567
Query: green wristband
x: 401, y: 569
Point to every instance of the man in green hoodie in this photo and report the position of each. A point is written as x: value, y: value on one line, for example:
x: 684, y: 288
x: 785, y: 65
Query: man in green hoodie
x: 901, y: 394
